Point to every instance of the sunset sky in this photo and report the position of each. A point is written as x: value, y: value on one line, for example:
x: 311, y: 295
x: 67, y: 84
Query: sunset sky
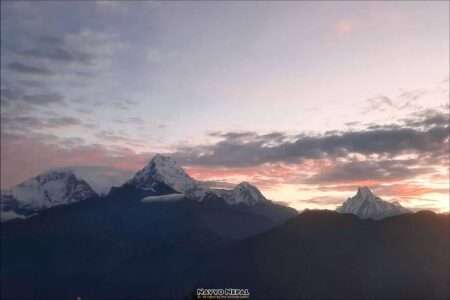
x: 305, y: 100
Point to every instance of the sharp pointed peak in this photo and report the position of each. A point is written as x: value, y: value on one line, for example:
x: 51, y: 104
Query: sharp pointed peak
x: 364, y: 189
x: 160, y: 162
x: 364, y: 192
x: 51, y: 175
x: 60, y: 171
x: 366, y: 205
x: 159, y: 156
x: 50, y: 188
x: 161, y: 159
x: 246, y: 192
x: 164, y: 169
x: 245, y: 184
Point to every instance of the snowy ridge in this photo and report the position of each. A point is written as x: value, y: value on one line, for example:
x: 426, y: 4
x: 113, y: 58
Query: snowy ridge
x: 46, y: 190
x: 100, y: 178
x: 243, y: 193
x: 164, y: 169
x: 65, y: 186
x: 368, y: 206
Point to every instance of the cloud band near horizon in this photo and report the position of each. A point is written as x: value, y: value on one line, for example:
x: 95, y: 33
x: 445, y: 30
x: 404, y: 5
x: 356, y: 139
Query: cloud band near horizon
x: 389, y: 155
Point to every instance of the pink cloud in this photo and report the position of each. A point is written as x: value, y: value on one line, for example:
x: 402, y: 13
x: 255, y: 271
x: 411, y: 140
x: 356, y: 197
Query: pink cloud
x: 265, y: 176
x: 23, y: 157
x: 408, y: 191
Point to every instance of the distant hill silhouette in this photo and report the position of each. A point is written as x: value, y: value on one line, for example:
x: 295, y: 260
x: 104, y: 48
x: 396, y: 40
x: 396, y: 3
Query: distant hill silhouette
x: 323, y: 254
x: 123, y: 247
x: 119, y: 246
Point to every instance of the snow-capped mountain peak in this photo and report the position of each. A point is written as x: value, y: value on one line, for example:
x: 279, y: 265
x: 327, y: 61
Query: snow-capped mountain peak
x: 365, y: 193
x: 243, y: 193
x: 165, y: 170
x: 247, y: 193
x: 46, y: 190
x: 366, y: 205
x: 100, y: 178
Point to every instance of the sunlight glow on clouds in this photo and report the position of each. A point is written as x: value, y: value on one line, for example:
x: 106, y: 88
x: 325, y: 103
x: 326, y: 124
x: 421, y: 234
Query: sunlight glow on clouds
x: 305, y: 100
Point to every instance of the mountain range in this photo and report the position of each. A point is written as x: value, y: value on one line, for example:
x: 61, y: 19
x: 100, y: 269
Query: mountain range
x: 44, y: 191
x: 160, y: 176
x: 327, y: 255
x: 162, y: 234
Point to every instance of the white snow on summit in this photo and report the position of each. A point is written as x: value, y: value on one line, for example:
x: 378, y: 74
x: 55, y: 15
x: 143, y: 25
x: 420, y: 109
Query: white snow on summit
x: 44, y: 191
x: 368, y: 206
x: 51, y: 189
x: 165, y: 170
x: 243, y: 193
x: 100, y: 178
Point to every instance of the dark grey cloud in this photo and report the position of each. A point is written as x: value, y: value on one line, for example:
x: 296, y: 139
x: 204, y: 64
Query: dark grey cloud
x: 21, y: 92
x: 18, y: 100
x: 407, y: 99
x: 374, y: 126
x: 71, y: 142
x: 120, y: 105
x: 55, y: 50
x: 233, y: 153
x: 380, y: 103
x: 58, y: 54
x: 80, y: 55
x: 28, y: 124
x: 51, y: 40
x: 425, y: 136
x: 62, y: 122
x: 114, y: 137
x: 84, y: 110
x: 412, y: 95
x: 90, y: 126
x: 30, y: 83
x: 386, y: 170
x: 44, y: 98
x: 11, y: 94
x: 28, y: 69
x: 136, y: 120
x: 124, y: 104
x: 272, y: 138
x: 14, y: 124
x: 238, y: 149
x: 351, y: 124
x: 60, y: 49
x: 429, y: 118
x: 234, y: 135
x: 131, y: 102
